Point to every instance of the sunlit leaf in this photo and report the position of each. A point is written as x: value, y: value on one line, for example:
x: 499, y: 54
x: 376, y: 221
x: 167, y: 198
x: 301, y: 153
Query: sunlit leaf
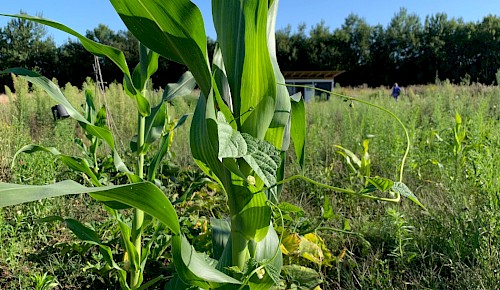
x: 242, y: 36
x: 144, y: 196
x: 174, y: 29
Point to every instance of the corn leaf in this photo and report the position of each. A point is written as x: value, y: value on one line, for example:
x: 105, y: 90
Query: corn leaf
x: 76, y: 163
x: 204, y: 141
x: 298, y: 130
x: 221, y: 231
x: 276, y: 134
x: 147, y: 66
x: 268, y: 250
x: 242, y: 35
x: 174, y: 29
x: 145, y: 196
x: 166, y: 141
x: 194, y: 268
x: 87, y: 235
x: 184, y: 86
x: 253, y: 218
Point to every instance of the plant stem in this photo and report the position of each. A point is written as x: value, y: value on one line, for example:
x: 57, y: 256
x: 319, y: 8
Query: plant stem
x: 240, y: 252
x: 138, y: 214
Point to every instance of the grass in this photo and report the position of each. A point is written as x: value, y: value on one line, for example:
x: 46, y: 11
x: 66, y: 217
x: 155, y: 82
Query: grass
x: 453, y: 245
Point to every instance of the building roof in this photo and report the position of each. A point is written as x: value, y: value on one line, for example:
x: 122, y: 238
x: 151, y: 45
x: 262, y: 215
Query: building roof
x: 312, y: 74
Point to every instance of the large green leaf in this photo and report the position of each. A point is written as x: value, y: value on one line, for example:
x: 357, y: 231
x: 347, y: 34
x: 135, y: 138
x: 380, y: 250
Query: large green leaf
x: 55, y: 93
x: 194, y: 268
x: 144, y: 196
x: 221, y: 231
x: 298, y: 130
x: 222, y: 84
x: 204, y: 141
x: 242, y: 35
x: 174, y: 29
x: 276, y: 134
x: 269, y: 253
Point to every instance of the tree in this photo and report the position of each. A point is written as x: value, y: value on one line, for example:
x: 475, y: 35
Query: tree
x: 403, y: 37
x: 24, y: 43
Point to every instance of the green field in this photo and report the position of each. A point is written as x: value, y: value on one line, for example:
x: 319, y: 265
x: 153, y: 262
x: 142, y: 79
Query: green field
x: 452, y: 167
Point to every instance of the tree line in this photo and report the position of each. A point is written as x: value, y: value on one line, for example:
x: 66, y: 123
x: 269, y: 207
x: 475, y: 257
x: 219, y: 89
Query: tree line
x: 407, y: 50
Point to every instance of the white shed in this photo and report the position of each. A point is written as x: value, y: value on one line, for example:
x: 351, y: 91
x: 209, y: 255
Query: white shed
x: 312, y: 79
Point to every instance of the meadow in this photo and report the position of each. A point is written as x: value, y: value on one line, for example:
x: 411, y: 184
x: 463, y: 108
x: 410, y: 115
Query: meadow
x: 452, y: 167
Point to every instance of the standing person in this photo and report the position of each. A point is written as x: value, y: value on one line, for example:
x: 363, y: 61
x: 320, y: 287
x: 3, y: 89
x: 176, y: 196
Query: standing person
x: 395, y: 91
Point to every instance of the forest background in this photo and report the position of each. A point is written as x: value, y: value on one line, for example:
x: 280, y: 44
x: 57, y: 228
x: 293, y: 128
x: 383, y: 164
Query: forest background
x: 408, y: 50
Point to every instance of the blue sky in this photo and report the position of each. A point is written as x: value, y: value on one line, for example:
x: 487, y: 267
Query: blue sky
x: 86, y: 15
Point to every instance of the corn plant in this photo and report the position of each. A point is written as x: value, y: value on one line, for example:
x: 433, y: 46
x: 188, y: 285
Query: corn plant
x: 240, y: 131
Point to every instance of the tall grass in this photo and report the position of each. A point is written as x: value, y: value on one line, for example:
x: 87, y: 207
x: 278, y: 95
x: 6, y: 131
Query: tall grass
x: 453, y: 245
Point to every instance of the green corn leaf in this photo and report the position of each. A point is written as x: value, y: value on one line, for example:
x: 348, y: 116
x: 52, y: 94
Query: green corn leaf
x: 55, y: 93
x: 220, y: 80
x: 76, y: 163
x: 82, y: 232
x: 87, y: 235
x: 130, y: 248
x: 242, y: 35
x: 402, y: 189
x: 298, y: 130
x: 276, y: 134
x: 163, y: 150
x: 350, y: 157
x: 268, y: 252
x: 144, y: 196
x: 204, y: 141
x: 147, y: 66
x: 221, y: 231
x: 221, y: 85
x: 174, y: 29
x: 194, y: 268
x: 253, y: 218
x: 184, y: 86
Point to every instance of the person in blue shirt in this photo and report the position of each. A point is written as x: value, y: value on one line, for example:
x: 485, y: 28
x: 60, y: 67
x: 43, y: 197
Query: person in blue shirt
x: 395, y: 91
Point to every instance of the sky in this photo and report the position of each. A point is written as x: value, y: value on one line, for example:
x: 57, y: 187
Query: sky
x: 86, y: 15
